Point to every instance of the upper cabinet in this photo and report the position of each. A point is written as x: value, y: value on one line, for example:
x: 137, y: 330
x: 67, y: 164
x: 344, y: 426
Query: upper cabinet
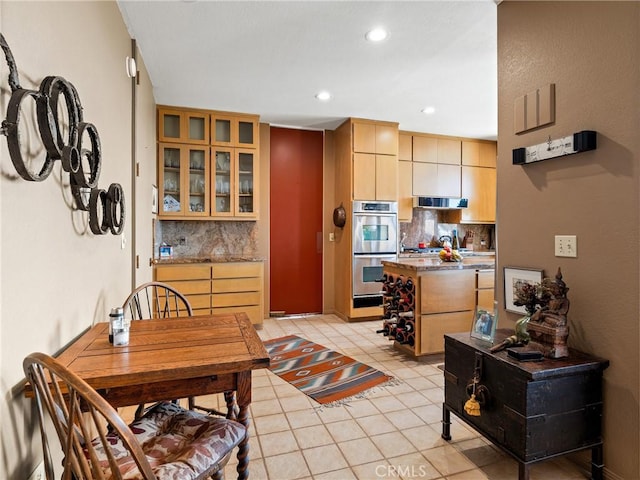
x: 436, y: 166
x: 207, y: 164
x: 183, y: 126
x: 228, y: 130
x: 479, y: 181
x: 374, y: 150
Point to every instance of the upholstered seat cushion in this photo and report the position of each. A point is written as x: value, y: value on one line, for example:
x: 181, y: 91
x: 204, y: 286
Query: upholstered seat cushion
x: 179, y: 444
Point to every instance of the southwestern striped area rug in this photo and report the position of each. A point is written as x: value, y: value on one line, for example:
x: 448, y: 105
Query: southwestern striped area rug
x: 322, y: 374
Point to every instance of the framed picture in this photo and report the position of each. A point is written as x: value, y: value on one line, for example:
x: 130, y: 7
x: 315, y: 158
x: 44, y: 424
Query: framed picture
x: 484, y: 324
x: 513, y: 275
x: 154, y: 199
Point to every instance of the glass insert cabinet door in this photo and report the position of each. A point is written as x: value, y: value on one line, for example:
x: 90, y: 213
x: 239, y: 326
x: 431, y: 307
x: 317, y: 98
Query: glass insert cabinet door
x: 198, y: 187
x: 171, y: 196
x: 222, y: 181
x: 184, y: 127
x: 246, y: 182
x: 234, y: 131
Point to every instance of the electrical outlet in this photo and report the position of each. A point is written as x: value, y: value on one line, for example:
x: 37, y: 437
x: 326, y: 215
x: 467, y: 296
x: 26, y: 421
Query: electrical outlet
x: 332, y: 237
x: 123, y: 241
x: 182, y: 241
x: 566, y: 246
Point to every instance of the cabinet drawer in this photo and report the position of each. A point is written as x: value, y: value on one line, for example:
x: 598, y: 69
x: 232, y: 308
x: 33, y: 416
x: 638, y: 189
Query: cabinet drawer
x: 183, y: 272
x: 187, y: 287
x: 433, y: 328
x: 235, y: 299
x: 254, y: 312
x: 199, y: 301
x: 448, y: 291
x: 237, y: 270
x: 228, y: 285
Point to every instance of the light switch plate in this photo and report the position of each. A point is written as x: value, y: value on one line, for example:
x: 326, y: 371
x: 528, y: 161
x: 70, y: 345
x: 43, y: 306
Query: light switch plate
x: 566, y: 246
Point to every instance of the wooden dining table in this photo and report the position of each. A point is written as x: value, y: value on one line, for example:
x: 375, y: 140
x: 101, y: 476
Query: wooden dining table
x: 173, y: 358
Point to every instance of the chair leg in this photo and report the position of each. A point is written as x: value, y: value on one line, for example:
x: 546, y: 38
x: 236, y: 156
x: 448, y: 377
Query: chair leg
x: 219, y: 475
x: 139, y: 411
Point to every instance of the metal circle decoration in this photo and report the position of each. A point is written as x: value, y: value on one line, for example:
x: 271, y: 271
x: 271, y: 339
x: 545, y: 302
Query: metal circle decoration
x: 78, y: 150
x: 339, y: 216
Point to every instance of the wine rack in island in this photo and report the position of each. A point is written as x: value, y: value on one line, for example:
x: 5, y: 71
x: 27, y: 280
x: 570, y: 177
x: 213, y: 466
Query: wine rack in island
x: 423, y: 301
x: 398, y: 319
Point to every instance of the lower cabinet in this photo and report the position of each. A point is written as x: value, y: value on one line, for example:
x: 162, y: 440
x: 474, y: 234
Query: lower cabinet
x: 218, y: 287
x: 485, y: 288
x: 238, y: 286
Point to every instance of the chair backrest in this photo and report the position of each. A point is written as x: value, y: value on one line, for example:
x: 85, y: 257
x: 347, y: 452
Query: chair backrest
x: 156, y: 300
x: 81, y: 418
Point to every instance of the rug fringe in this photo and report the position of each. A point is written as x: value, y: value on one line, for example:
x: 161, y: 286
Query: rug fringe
x: 346, y: 402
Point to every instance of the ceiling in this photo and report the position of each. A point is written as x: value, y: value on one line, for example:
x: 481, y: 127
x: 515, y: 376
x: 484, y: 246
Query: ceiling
x: 271, y: 58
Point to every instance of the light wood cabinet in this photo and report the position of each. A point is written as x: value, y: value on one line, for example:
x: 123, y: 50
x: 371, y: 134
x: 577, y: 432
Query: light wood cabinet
x: 193, y: 281
x: 436, y: 150
x: 436, y: 180
x: 182, y: 126
x: 405, y: 191
x: 479, y: 153
x: 202, y: 182
x: 234, y: 130
x: 405, y: 147
x: 479, y: 186
x: 237, y: 286
x: 218, y: 287
x: 485, y: 289
x: 234, y: 180
x: 375, y: 177
x: 375, y: 138
x: 183, y: 178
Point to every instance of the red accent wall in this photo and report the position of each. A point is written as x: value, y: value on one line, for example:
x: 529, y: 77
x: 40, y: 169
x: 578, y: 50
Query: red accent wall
x: 296, y: 220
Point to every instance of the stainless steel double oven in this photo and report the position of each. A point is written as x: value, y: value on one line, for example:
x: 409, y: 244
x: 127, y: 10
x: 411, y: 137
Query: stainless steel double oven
x: 375, y: 238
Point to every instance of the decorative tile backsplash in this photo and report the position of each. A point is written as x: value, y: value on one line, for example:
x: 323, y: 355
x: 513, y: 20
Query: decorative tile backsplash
x: 207, y: 239
x: 426, y: 227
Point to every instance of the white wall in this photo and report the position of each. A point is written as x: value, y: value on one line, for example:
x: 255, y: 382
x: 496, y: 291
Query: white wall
x: 56, y: 278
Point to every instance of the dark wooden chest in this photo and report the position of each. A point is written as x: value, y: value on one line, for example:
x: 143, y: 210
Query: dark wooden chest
x: 533, y: 410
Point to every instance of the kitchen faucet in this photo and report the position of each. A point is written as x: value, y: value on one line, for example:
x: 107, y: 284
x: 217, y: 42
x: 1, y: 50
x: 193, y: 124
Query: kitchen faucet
x: 404, y: 237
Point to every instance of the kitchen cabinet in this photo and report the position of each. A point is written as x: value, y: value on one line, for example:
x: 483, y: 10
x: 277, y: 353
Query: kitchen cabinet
x: 375, y: 177
x: 479, y: 186
x: 479, y: 153
x: 218, y: 287
x: 444, y: 302
x: 436, y: 180
x: 485, y: 289
x: 405, y: 147
x: 208, y: 167
x: 193, y: 281
x: 234, y: 181
x: 436, y: 150
x: 183, y: 126
x: 405, y: 191
x: 375, y: 137
x: 234, y: 130
x: 183, y: 177
x: 238, y: 286
x: 436, y: 166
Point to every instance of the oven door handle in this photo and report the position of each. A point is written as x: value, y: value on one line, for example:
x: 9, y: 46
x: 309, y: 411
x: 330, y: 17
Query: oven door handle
x: 375, y: 255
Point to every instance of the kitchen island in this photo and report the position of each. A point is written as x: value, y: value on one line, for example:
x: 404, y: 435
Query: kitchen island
x: 444, y: 299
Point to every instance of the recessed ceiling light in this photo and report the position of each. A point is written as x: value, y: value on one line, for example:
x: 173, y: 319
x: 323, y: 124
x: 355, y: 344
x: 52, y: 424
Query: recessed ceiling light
x: 323, y: 96
x: 428, y: 110
x: 376, y: 35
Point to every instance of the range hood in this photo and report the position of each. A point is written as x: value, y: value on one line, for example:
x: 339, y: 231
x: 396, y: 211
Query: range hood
x: 441, y: 203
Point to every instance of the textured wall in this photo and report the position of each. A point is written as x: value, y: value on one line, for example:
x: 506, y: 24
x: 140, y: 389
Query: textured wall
x: 590, y: 50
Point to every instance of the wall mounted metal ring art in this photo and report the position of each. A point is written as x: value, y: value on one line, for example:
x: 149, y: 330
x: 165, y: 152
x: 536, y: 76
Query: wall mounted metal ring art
x: 78, y: 149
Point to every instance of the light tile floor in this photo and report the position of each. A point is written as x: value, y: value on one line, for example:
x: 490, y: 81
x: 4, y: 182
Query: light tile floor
x: 393, y: 433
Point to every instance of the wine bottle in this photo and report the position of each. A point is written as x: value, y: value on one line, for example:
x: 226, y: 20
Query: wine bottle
x: 454, y: 240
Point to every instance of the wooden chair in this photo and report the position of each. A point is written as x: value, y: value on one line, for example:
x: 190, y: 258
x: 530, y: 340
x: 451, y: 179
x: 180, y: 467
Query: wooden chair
x: 156, y: 300
x: 159, y: 300
x: 168, y: 442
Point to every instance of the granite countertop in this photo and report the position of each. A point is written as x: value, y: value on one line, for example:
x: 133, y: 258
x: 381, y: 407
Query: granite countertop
x: 211, y: 259
x: 434, y: 263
